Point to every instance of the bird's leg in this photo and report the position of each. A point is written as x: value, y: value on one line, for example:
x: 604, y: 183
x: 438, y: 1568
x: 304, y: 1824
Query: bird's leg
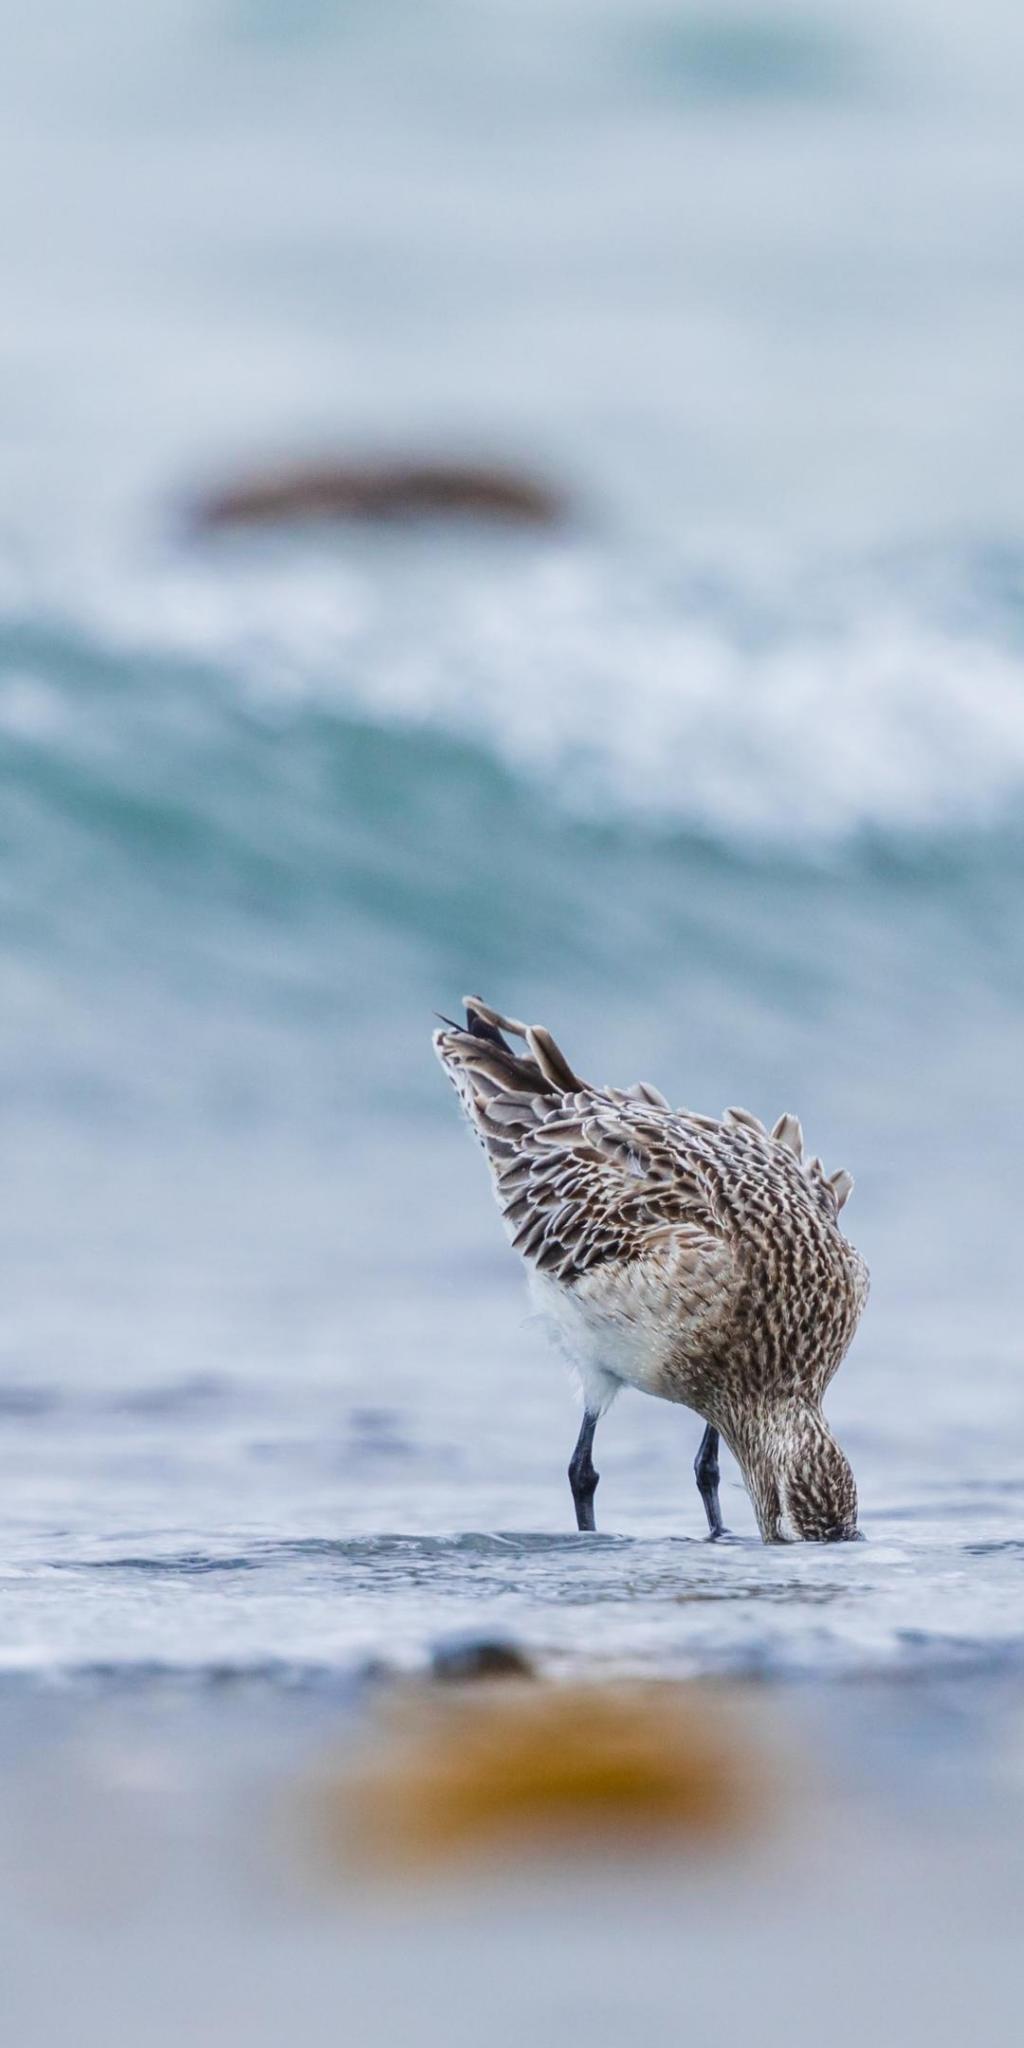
x: 705, y: 1468
x: 582, y: 1476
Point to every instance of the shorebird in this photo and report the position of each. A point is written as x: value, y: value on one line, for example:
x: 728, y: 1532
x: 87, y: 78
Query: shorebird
x: 693, y: 1257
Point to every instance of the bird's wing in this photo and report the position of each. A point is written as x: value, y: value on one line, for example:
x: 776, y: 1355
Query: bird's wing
x: 583, y: 1176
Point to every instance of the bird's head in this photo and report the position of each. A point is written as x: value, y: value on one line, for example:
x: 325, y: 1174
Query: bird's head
x: 798, y: 1478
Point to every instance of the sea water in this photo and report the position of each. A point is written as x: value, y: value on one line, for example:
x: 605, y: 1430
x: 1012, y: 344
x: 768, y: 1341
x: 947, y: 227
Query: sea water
x: 722, y: 781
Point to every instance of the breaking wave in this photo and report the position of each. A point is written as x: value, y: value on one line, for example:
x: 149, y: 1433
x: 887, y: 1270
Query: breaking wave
x: 245, y: 704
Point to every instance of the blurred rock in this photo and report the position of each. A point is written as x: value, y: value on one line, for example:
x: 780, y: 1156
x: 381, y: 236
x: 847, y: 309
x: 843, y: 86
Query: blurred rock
x: 544, y: 1770
x: 477, y: 1657
x: 302, y: 493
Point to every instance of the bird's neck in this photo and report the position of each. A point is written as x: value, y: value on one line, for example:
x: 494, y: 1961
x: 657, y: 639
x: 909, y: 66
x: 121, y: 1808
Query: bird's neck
x: 798, y: 1479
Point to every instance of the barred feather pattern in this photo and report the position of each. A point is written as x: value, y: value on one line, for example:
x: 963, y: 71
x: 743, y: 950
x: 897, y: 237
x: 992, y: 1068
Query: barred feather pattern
x: 697, y: 1258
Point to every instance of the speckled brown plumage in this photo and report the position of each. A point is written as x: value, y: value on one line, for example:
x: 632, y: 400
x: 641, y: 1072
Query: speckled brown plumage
x: 696, y: 1258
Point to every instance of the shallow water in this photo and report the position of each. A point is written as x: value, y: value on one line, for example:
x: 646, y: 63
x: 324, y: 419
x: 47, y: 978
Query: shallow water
x: 223, y: 1527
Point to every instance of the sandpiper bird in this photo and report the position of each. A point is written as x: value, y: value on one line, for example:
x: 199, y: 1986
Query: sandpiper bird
x: 693, y: 1257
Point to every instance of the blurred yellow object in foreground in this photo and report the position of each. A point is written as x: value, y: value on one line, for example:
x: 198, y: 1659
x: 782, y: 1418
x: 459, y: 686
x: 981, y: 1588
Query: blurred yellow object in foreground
x: 551, y: 1768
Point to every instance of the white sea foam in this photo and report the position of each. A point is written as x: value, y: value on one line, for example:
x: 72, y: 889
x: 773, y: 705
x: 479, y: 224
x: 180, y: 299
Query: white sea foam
x: 627, y: 697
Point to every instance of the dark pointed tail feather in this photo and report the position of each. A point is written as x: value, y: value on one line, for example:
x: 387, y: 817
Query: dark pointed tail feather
x: 479, y: 1025
x: 491, y: 1062
x: 479, y: 1046
x: 485, y: 1021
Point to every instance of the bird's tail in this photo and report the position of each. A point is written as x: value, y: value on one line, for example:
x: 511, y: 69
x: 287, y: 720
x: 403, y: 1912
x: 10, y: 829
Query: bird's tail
x: 481, y: 1064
